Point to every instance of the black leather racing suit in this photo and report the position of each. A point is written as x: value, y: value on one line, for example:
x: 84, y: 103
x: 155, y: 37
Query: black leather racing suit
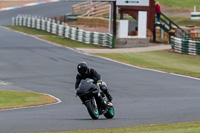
x: 92, y: 74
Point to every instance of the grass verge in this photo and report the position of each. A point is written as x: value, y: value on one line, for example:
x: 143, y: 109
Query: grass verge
x: 189, y: 4
x: 53, y: 38
x: 166, y: 60
x: 183, y: 21
x: 12, y: 99
x: 193, y: 127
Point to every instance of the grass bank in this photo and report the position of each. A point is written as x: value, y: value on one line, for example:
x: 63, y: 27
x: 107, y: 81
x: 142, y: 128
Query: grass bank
x: 189, y: 4
x: 53, y: 38
x: 12, y: 99
x: 193, y: 127
x: 166, y: 60
x: 183, y: 21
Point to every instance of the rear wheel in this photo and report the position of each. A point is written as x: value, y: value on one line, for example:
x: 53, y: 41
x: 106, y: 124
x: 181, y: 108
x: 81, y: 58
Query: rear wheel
x: 92, y: 108
x: 110, y: 113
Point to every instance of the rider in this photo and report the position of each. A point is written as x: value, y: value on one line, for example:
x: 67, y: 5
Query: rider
x: 85, y: 72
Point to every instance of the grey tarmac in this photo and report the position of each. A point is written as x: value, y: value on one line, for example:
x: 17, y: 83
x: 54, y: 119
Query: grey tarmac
x: 141, y: 97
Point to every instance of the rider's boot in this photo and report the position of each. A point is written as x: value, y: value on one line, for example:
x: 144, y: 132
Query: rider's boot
x: 108, y: 96
x: 104, y: 89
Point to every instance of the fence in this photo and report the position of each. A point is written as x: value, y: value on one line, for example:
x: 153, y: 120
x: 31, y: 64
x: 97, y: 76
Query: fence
x: 96, y: 38
x: 185, y: 46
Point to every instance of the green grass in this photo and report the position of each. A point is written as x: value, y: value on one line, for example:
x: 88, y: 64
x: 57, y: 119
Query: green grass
x: 185, y: 21
x: 167, y: 61
x: 193, y: 127
x: 189, y: 4
x: 12, y: 99
x: 53, y: 38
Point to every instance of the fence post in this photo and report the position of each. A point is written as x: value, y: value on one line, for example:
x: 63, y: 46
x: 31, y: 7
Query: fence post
x: 184, y: 46
x: 51, y: 27
x: 197, y: 47
x: 172, y: 42
x: 109, y: 41
x: 77, y: 34
x: 63, y: 29
x: 31, y: 22
x: 13, y: 21
x: 67, y: 32
x: 58, y: 23
x: 35, y: 22
x: 83, y: 36
x: 70, y: 32
x: 100, y: 39
x: 24, y: 21
x: 80, y: 35
x: 92, y: 38
x: 20, y: 21
x: 40, y: 24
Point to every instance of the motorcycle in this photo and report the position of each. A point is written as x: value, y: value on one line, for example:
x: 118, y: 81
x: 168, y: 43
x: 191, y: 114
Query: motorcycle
x: 94, y: 99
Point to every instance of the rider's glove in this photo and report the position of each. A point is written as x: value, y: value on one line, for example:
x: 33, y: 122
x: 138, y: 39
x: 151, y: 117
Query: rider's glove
x: 99, y: 82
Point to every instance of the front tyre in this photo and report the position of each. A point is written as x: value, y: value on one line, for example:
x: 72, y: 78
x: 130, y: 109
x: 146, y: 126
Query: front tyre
x: 92, y: 108
x: 110, y: 113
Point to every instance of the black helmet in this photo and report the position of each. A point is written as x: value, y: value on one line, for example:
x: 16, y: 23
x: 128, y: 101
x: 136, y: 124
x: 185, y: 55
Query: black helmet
x: 82, y: 68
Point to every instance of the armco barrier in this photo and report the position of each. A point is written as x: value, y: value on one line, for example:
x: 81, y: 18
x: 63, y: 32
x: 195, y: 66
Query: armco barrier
x: 185, y: 46
x: 96, y: 38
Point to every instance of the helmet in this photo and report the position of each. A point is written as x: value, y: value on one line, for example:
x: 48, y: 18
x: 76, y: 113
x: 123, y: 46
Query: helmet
x: 82, y: 68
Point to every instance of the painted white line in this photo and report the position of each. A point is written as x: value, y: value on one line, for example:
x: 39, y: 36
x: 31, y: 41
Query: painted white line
x: 31, y: 4
x: 185, y: 76
x: 148, y: 69
x: 5, y: 83
x: 57, y: 99
x: 8, y: 8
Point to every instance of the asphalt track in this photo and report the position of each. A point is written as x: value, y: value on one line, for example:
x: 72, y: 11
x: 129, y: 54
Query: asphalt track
x: 43, y: 10
x: 141, y: 97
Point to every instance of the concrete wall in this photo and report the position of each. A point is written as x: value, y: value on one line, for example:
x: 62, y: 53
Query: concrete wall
x: 142, y: 24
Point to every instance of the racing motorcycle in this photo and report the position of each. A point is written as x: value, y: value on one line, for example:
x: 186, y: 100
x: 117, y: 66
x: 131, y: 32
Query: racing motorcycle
x: 94, y: 99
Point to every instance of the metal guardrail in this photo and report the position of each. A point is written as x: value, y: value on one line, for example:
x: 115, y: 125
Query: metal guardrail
x: 96, y: 38
x: 185, y: 46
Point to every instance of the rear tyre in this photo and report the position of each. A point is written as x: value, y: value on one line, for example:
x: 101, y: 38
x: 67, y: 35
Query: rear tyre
x: 110, y: 113
x: 92, y: 108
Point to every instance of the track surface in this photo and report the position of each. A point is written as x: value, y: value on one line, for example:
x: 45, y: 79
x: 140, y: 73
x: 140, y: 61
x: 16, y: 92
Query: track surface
x: 141, y: 97
x: 43, y: 10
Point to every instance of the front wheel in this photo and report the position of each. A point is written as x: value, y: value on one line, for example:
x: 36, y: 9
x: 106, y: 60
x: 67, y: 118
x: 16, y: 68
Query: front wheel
x: 110, y: 113
x: 92, y: 108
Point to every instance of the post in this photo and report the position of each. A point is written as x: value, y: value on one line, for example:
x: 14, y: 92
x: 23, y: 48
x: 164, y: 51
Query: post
x: 154, y: 34
x: 110, y: 17
x: 142, y: 24
x: 114, y: 23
